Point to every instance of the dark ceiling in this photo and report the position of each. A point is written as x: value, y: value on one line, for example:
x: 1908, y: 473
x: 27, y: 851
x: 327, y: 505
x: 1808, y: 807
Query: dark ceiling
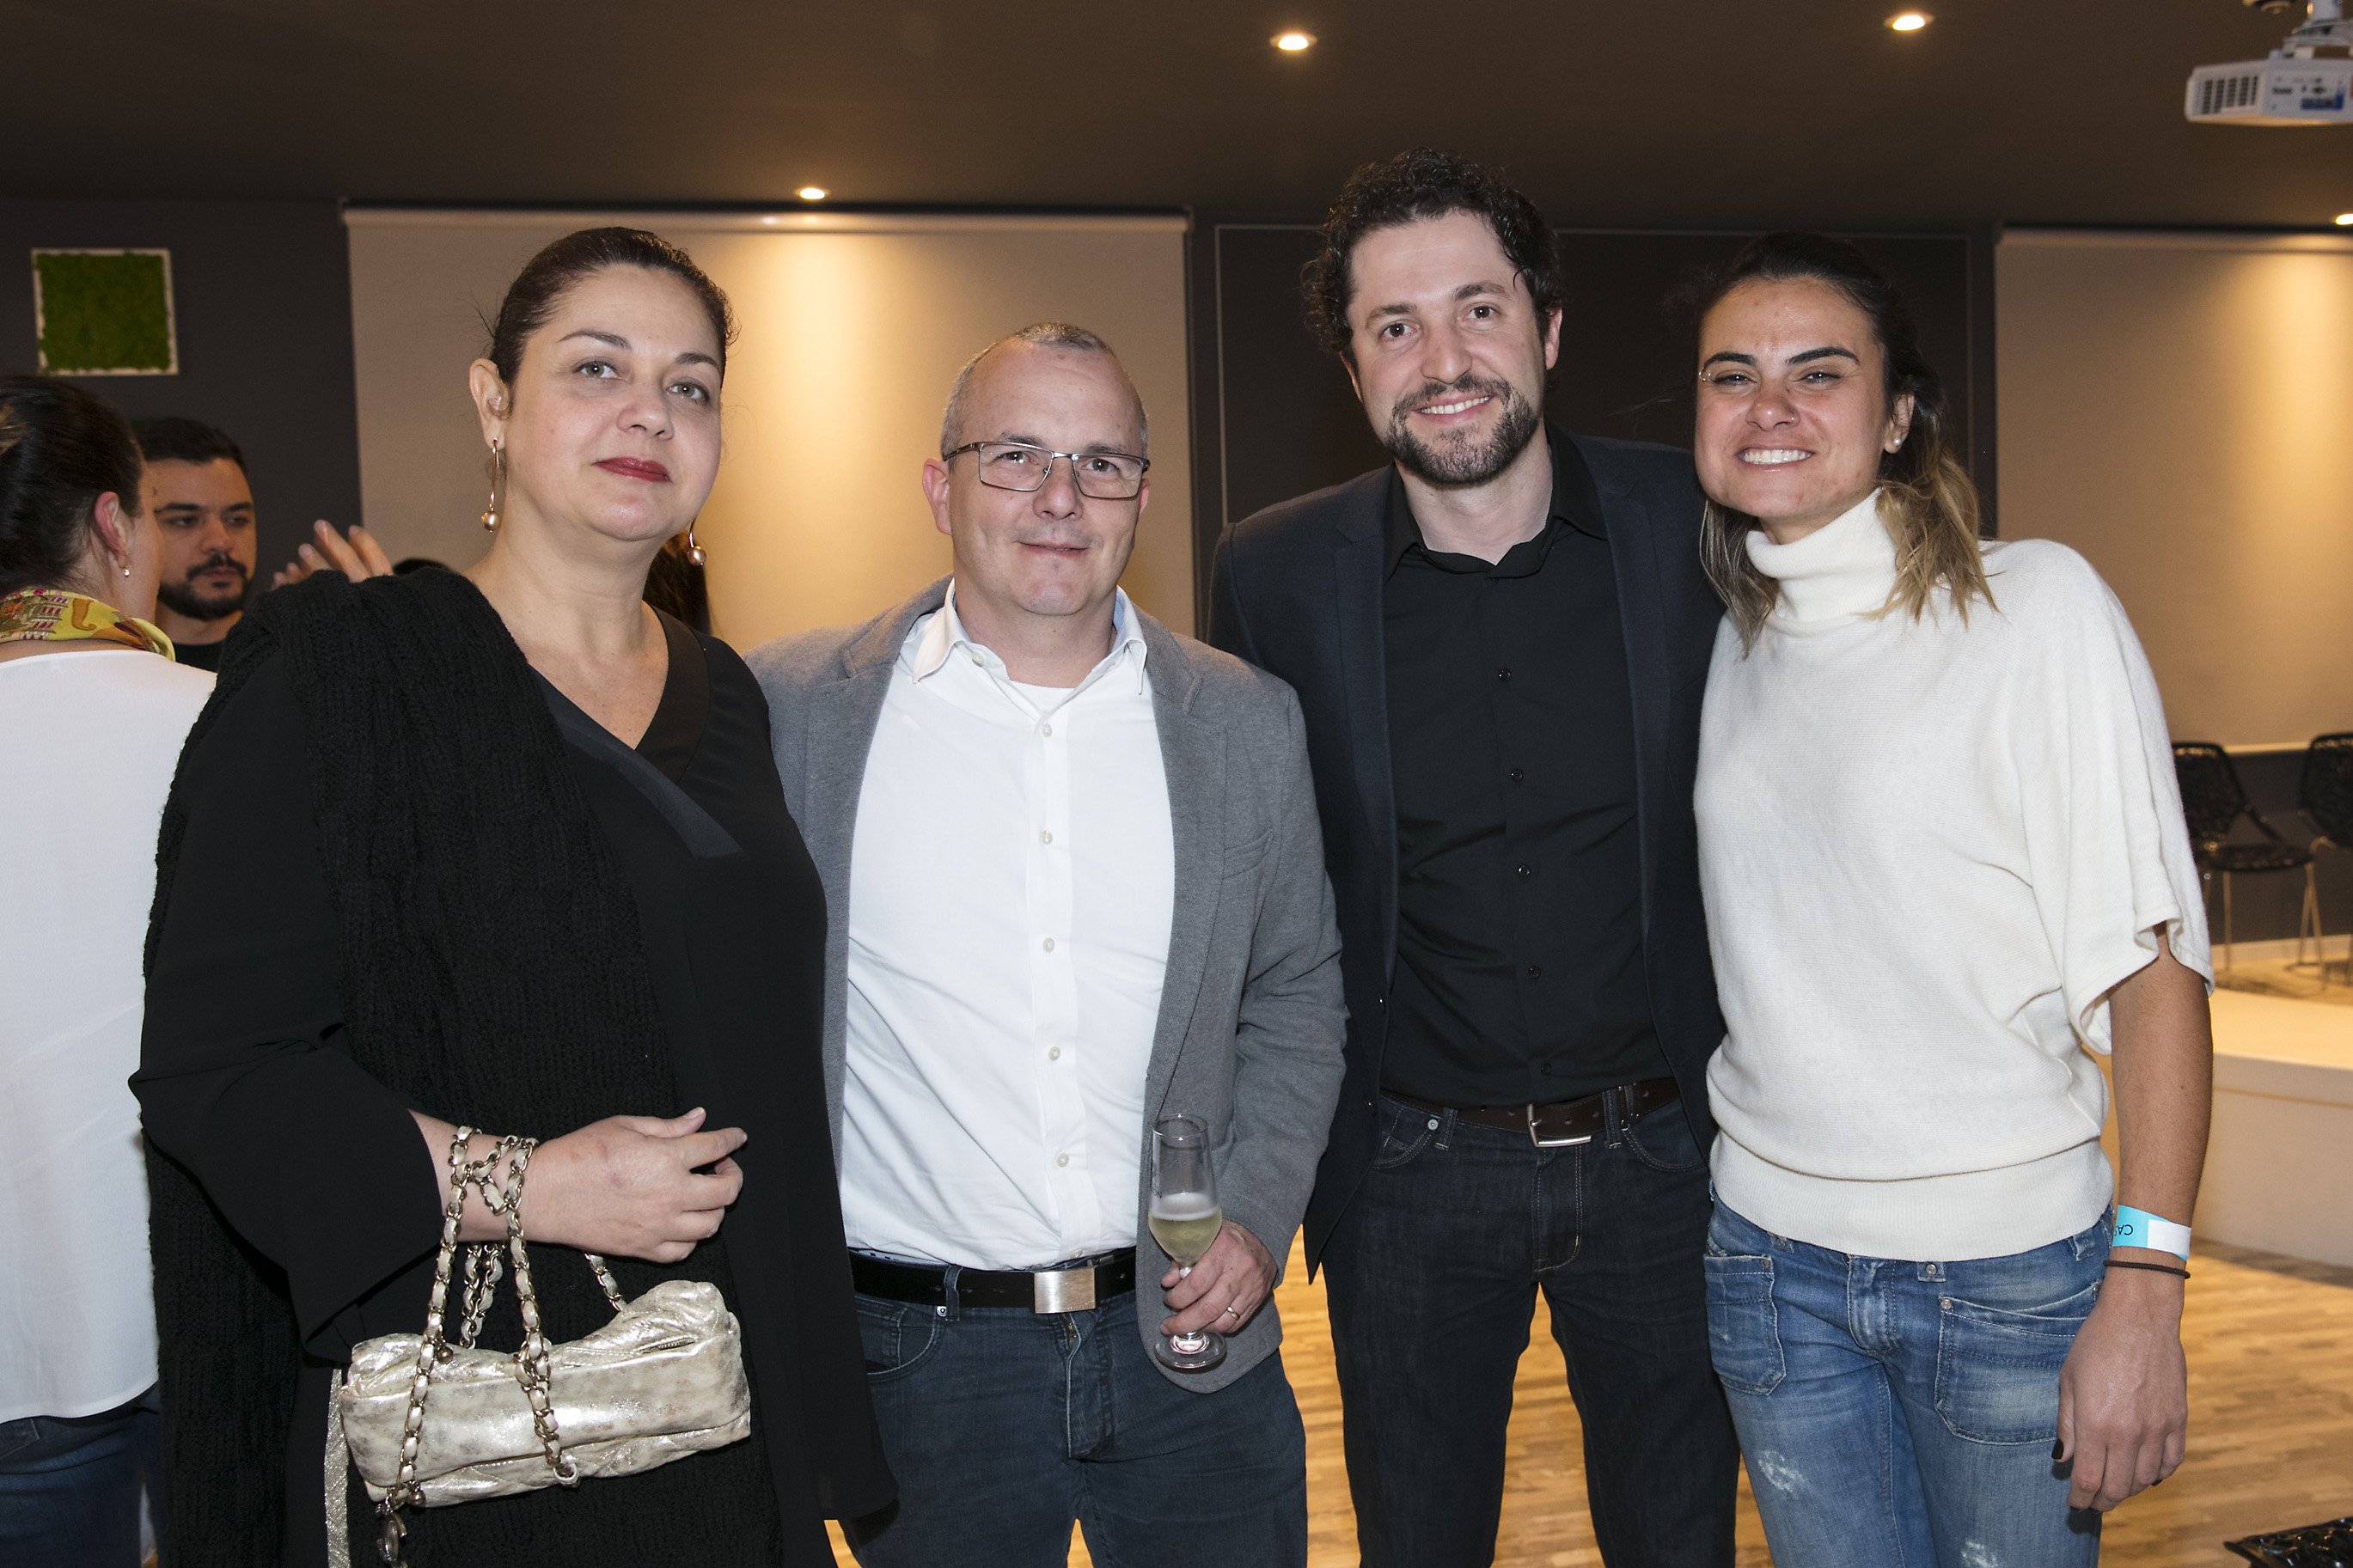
x: 1716, y: 113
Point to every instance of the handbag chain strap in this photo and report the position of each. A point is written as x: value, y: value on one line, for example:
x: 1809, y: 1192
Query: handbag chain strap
x: 483, y: 1273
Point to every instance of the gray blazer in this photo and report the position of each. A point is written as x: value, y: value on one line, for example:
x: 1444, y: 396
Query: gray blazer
x: 1252, y: 1022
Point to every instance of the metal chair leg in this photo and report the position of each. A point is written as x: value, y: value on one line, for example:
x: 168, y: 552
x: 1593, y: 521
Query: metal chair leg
x: 2308, y: 929
x: 2310, y: 919
x: 2227, y: 963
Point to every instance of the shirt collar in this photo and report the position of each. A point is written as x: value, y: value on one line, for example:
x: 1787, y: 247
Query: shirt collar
x: 1575, y: 502
x: 935, y: 637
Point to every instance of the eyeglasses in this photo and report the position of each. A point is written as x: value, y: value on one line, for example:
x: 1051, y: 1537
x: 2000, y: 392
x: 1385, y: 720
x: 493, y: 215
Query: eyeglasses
x: 1016, y: 466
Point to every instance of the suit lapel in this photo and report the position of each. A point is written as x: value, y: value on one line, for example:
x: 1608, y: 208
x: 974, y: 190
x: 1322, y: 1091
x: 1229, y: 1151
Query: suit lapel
x: 1193, y: 760
x: 841, y: 721
x: 837, y: 724
x: 1357, y: 560
x: 1634, y: 539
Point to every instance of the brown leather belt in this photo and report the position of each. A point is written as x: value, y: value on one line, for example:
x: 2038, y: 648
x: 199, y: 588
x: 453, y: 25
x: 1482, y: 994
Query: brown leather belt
x: 1565, y: 1122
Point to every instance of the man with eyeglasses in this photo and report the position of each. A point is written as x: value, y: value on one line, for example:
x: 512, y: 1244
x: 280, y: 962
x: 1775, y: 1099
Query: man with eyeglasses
x: 1075, y: 884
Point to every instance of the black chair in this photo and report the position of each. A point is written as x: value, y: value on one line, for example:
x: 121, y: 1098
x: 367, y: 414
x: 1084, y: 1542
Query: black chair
x: 2325, y: 799
x: 2212, y: 800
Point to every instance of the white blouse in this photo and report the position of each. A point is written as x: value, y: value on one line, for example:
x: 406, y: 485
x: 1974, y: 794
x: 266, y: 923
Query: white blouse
x: 93, y: 740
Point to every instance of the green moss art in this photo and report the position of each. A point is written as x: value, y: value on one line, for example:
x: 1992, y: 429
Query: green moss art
x: 104, y: 313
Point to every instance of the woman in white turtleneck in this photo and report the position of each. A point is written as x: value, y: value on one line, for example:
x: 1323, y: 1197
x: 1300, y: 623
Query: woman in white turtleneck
x: 1943, y: 857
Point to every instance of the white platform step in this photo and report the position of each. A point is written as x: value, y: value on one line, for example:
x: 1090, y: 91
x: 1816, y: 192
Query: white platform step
x: 2279, y: 1167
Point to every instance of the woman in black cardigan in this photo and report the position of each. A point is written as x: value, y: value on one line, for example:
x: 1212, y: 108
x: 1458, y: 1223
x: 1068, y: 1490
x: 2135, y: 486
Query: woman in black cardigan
x: 505, y: 850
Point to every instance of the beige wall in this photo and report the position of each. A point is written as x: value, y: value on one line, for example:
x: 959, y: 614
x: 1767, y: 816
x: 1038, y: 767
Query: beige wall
x: 852, y: 328
x: 2179, y: 408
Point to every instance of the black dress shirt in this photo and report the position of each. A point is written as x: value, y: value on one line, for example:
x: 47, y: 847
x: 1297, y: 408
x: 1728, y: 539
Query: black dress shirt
x: 1519, y: 952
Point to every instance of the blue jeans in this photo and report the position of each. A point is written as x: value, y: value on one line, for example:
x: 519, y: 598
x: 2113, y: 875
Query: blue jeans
x: 1004, y: 1425
x: 1898, y: 1413
x: 1432, y: 1275
x: 70, y: 1486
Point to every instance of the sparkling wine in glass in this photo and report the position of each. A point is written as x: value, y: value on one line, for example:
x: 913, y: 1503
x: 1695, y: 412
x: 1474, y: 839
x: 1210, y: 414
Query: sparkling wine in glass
x: 1185, y: 1219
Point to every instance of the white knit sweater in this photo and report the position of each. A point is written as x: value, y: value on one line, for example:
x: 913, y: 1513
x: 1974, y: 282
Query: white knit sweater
x: 1929, y: 849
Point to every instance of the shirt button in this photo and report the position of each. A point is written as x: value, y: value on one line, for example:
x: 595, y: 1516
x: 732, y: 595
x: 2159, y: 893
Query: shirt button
x: 1061, y: 1159
x: 976, y: 658
x: 1526, y: 871
x: 1535, y: 971
x: 1045, y: 729
x: 1054, y: 1053
x: 1504, y: 676
x: 1044, y: 836
x: 1517, y: 774
x: 1049, y: 944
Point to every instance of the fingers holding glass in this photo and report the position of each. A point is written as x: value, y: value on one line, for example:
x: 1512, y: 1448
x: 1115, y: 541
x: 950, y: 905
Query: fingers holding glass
x: 1185, y: 1218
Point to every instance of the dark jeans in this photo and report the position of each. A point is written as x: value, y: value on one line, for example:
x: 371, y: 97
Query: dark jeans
x: 1004, y: 1425
x: 70, y: 1486
x: 1431, y: 1276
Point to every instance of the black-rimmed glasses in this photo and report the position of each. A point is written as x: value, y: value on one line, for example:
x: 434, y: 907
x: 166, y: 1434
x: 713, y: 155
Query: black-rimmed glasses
x: 1018, y: 465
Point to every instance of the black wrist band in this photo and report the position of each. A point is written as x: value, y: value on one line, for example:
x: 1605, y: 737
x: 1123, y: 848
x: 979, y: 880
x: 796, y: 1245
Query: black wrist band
x: 2152, y: 1268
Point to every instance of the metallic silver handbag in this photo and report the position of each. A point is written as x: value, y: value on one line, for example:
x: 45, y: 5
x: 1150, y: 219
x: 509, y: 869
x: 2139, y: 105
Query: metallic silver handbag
x: 664, y: 1379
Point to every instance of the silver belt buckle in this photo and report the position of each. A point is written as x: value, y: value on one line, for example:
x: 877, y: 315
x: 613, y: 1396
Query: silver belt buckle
x: 1062, y: 1290
x: 1551, y: 1142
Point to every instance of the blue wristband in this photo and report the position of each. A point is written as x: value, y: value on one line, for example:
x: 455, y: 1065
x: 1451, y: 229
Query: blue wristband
x: 2138, y: 1227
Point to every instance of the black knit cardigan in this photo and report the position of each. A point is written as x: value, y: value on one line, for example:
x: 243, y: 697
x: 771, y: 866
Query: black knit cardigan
x: 491, y: 969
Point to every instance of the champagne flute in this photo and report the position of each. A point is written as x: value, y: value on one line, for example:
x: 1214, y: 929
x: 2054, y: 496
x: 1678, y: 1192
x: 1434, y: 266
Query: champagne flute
x: 1185, y: 1218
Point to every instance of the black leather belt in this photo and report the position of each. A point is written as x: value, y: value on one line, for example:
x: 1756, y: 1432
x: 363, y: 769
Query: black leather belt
x: 1072, y: 1286
x: 1565, y: 1122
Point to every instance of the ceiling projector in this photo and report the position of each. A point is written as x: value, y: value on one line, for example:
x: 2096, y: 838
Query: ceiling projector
x: 2308, y: 81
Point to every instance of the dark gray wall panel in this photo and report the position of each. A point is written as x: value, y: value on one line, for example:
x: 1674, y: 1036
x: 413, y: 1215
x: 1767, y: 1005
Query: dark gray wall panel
x: 1275, y: 416
x: 262, y: 295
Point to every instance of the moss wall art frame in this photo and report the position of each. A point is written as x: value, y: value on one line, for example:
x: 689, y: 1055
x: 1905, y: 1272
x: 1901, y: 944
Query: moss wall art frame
x: 105, y: 312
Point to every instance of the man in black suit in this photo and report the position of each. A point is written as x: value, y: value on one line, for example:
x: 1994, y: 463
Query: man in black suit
x: 1500, y: 642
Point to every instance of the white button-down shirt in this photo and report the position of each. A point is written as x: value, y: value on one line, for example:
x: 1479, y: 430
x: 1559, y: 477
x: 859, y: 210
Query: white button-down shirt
x: 1012, y: 885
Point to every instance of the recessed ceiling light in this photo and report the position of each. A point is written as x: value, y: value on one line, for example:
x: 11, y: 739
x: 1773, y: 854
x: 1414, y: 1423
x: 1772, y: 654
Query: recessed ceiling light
x: 2345, y: 220
x: 812, y: 193
x: 1292, y: 43
x: 1909, y: 21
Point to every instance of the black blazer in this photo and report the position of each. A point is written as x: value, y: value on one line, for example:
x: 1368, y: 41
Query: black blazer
x: 1297, y: 591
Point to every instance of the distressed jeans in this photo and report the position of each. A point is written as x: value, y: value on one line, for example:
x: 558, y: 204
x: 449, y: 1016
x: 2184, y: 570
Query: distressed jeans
x: 1898, y: 1414
x: 1002, y: 1426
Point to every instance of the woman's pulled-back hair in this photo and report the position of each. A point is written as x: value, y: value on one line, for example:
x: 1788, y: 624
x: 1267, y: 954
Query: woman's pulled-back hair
x: 546, y: 278
x: 60, y: 450
x: 1927, y: 493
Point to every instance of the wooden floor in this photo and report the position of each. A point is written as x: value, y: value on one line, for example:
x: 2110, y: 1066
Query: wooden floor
x: 2270, y: 1436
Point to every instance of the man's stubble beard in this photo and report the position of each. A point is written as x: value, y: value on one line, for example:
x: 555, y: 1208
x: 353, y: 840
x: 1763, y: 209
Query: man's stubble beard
x: 1461, y: 462
x: 182, y: 599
